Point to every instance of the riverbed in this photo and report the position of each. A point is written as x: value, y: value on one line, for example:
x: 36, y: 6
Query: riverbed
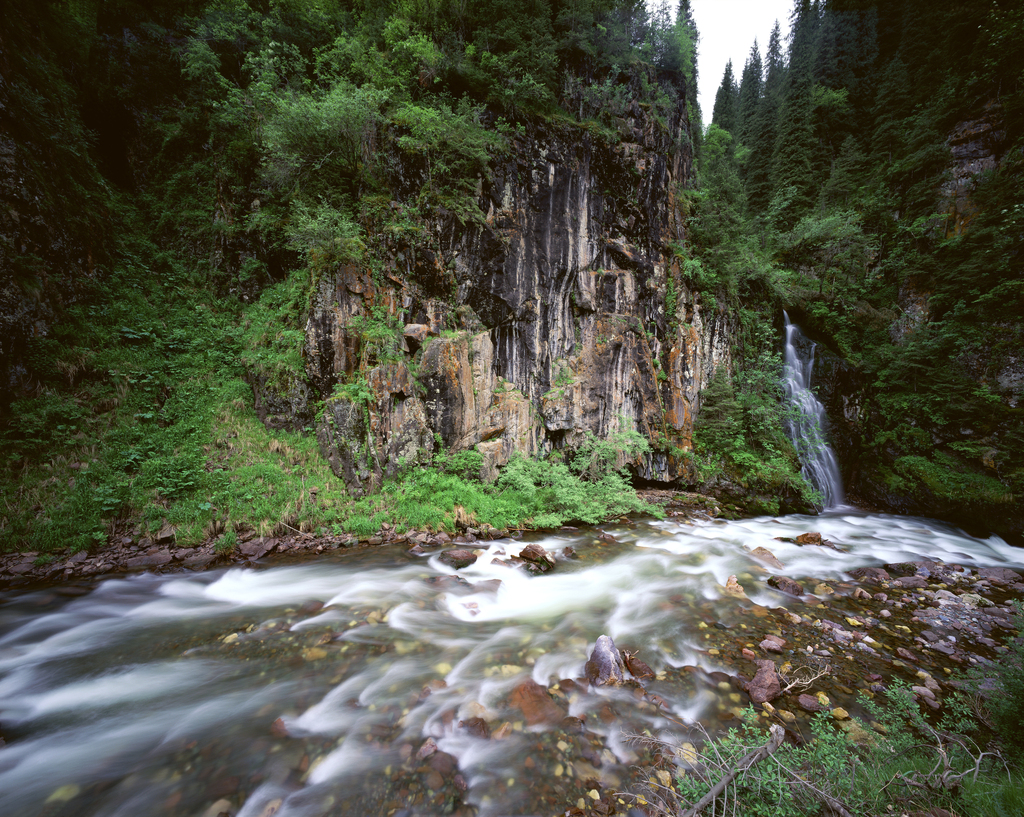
x: 379, y: 682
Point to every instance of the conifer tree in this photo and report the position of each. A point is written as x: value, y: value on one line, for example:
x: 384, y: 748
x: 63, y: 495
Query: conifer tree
x: 792, y: 163
x: 762, y: 134
x: 726, y: 111
x: 751, y: 85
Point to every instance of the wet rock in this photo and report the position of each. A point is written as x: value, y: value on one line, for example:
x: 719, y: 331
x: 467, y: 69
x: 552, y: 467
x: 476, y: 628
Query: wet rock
x: 535, y: 703
x: 416, y: 550
x: 999, y: 575
x: 637, y: 668
x: 457, y: 559
x: 871, y: 575
x: 477, y: 727
x: 809, y: 703
x: 428, y: 748
x: 793, y: 588
x: 733, y: 588
x: 537, y: 555
x: 199, y: 561
x: 812, y: 538
x: 766, y: 556
x: 605, y: 666
x: 911, y: 582
x: 569, y: 552
x: 765, y: 685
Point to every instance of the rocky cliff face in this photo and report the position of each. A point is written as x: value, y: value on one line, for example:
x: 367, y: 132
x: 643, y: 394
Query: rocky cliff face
x: 545, y: 320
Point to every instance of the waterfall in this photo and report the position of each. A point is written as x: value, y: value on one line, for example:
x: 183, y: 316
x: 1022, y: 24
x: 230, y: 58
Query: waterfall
x: 807, y: 422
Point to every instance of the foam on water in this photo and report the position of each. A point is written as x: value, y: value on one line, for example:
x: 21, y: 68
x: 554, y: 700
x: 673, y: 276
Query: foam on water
x: 90, y: 706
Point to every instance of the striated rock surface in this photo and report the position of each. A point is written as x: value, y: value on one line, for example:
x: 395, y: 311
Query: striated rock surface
x: 560, y: 311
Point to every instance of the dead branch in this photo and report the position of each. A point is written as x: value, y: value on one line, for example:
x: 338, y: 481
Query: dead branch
x: 746, y: 762
x: 800, y: 682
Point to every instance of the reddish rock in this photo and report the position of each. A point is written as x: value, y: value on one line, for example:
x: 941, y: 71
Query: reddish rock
x: 765, y: 686
x: 535, y: 703
x: 812, y: 538
x: 278, y: 729
x: 809, y: 703
x: 457, y: 558
x: 428, y: 748
x: 772, y: 643
x: 477, y: 727
x: 637, y: 668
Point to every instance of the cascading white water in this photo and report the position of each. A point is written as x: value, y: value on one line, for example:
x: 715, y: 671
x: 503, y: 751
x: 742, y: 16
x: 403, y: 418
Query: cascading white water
x: 807, y: 421
x: 305, y: 690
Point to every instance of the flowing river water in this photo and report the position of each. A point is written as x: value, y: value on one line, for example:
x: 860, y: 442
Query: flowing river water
x: 311, y: 688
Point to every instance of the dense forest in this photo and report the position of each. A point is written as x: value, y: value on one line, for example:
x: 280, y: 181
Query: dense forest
x: 231, y: 227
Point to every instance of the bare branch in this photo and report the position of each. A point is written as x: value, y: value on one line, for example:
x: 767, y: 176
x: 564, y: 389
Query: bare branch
x: 746, y: 762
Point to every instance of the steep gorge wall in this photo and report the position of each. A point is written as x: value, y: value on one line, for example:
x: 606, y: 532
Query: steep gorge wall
x: 545, y: 321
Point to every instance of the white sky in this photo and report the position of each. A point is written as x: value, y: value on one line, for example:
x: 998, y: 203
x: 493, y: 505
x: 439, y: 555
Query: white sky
x: 727, y: 29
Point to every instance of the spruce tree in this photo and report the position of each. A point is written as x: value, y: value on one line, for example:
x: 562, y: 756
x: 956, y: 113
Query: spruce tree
x: 762, y: 133
x: 751, y: 84
x: 793, y: 162
x: 726, y: 111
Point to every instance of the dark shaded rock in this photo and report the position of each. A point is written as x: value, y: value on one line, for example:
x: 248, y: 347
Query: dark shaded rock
x: 637, y: 668
x: 477, y: 727
x: 605, y: 666
x: 809, y: 703
x: 765, y: 685
x: 154, y: 558
x: 199, y: 561
x: 999, y: 574
x: 786, y: 585
x: 536, y: 554
x: 873, y: 575
x: 254, y: 549
x: 457, y: 559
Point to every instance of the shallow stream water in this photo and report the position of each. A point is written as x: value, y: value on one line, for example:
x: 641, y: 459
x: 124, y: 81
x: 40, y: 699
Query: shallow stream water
x: 310, y: 688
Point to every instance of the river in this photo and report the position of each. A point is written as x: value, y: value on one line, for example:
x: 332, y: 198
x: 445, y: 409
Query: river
x: 311, y: 688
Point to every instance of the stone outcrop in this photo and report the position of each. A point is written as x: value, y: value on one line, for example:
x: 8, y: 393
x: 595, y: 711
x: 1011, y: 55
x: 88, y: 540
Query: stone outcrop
x: 559, y: 311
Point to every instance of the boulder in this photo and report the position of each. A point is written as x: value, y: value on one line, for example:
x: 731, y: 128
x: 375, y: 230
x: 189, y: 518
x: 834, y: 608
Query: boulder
x: 789, y: 586
x: 457, y: 559
x: 765, y: 686
x: 536, y: 704
x: 810, y: 703
x: 537, y: 555
x: 872, y: 575
x: 153, y: 558
x: 605, y: 667
x: 766, y: 556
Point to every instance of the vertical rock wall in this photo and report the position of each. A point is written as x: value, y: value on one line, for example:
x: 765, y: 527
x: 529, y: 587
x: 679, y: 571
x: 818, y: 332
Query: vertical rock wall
x: 524, y: 332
